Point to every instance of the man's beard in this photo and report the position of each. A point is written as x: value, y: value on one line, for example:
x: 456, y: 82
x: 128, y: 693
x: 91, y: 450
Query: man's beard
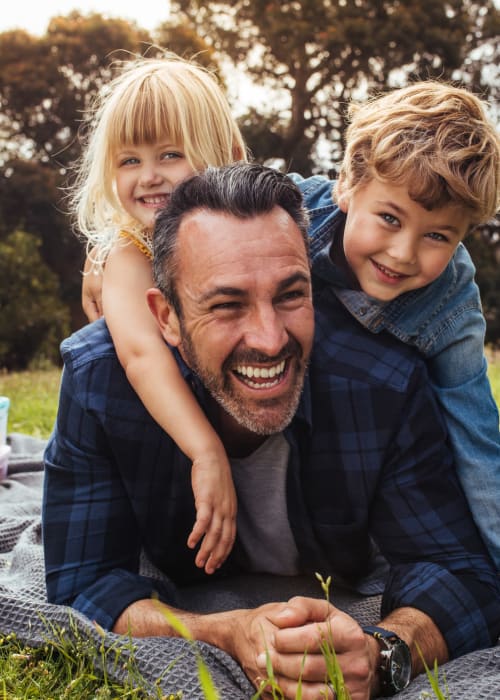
x: 264, y: 416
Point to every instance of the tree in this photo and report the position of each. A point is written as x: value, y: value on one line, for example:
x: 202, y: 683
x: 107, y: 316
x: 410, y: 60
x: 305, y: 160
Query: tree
x: 34, y: 319
x: 319, y: 54
x: 46, y: 83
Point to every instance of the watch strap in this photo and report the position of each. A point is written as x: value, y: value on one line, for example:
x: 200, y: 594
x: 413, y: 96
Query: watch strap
x: 390, y: 641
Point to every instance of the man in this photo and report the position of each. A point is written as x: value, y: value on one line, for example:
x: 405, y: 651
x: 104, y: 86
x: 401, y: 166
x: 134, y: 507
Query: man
x: 323, y: 460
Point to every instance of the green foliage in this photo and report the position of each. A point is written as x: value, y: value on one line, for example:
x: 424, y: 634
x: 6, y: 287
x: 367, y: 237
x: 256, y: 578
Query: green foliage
x: 34, y: 319
x: 486, y: 256
x: 433, y: 678
x: 318, y: 55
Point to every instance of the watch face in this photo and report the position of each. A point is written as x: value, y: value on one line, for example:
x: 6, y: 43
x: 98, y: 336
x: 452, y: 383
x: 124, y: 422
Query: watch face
x: 400, y: 667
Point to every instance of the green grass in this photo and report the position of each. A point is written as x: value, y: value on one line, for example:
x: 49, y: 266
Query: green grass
x: 65, y: 668
x: 33, y: 400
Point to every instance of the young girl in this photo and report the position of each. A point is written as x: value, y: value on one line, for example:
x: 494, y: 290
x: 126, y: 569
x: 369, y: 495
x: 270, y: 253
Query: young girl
x: 157, y: 123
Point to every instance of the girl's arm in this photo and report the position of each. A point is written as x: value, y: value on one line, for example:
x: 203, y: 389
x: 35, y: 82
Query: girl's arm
x: 154, y: 374
x: 91, y: 290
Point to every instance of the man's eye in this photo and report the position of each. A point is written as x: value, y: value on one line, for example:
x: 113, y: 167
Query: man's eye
x: 226, y: 306
x: 292, y: 295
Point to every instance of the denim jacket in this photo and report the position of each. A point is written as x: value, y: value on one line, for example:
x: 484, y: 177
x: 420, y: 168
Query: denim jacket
x: 444, y: 321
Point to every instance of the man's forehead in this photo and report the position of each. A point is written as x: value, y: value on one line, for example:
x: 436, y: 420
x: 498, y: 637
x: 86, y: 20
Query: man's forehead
x: 208, y: 228
x: 222, y: 250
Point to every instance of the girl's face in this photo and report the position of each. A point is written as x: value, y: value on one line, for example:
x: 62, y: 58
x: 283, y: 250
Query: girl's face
x: 393, y: 244
x: 145, y: 176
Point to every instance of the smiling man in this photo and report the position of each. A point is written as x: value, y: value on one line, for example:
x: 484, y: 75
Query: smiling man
x: 335, y: 442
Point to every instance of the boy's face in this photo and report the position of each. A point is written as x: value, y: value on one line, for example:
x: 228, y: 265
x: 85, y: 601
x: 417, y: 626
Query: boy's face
x: 145, y: 176
x: 393, y: 244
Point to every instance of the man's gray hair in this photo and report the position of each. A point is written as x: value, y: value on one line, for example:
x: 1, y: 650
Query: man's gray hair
x: 242, y: 190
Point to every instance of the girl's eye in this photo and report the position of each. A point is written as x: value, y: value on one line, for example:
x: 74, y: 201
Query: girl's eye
x: 171, y: 155
x: 128, y: 161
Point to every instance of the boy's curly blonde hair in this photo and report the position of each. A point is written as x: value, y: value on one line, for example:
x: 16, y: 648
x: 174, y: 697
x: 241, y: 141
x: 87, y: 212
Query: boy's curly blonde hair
x: 151, y: 100
x: 431, y: 136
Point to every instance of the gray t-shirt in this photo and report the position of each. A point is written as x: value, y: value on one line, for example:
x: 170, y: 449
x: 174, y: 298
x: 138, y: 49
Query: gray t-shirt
x: 263, y: 528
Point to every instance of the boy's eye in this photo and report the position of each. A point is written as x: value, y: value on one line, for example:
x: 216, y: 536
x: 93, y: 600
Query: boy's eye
x: 435, y: 236
x: 390, y: 219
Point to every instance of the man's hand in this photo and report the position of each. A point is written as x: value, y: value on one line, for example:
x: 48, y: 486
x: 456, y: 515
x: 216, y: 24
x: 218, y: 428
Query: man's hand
x: 284, y: 631
x: 306, y: 624
x: 91, y: 290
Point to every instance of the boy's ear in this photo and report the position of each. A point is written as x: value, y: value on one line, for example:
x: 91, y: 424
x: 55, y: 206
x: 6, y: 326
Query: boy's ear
x: 165, y: 316
x: 342, y: 195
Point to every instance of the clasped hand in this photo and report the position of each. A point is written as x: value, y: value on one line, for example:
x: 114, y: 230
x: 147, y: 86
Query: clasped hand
x: 290, y: 635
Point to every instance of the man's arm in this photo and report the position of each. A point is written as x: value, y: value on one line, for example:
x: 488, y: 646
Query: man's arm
x: 91, y: 535
x: 284, y: 632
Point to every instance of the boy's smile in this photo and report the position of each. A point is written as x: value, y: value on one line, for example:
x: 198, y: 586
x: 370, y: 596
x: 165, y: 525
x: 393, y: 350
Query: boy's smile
x: 391, y: 243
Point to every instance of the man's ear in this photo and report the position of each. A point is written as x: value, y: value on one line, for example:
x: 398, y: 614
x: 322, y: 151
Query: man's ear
x: 165, y: 316
x: 342, y: 194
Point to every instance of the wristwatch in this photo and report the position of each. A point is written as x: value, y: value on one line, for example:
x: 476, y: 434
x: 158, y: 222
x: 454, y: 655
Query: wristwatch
x: 395, y: 661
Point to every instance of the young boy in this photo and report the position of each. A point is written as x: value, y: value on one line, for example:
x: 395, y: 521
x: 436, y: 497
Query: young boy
x: 420, y: 172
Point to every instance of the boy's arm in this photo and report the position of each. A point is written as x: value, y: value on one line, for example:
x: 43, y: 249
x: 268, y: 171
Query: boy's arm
x: 458, y: 370
x: 154, y: 375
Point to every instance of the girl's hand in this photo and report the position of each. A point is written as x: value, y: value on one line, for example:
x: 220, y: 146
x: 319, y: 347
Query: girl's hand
x: 91, y: 291
x: 216, y: 505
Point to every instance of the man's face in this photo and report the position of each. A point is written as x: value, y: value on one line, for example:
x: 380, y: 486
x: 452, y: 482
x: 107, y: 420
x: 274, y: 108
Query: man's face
x: 247, y: 324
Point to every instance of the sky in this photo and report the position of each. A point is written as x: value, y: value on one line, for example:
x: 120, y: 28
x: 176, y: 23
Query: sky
x: 16, y: 15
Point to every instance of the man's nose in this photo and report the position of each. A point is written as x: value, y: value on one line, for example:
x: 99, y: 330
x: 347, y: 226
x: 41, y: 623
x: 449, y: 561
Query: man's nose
x: 266, y: 331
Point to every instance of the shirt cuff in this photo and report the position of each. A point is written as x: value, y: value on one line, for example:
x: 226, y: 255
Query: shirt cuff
x: 464, y: 607
x: 105, y: 600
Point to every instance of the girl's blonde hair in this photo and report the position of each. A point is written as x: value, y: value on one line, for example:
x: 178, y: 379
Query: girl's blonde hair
x: 432, y: 137
x: 151, y: 100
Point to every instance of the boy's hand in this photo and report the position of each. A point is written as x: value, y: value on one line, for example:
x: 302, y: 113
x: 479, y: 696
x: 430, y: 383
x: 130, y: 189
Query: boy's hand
x: 91, y: 291
x: 216, y: 504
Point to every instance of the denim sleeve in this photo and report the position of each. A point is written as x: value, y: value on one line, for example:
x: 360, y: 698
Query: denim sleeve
x: 450, y: 327
x: 472, y: 420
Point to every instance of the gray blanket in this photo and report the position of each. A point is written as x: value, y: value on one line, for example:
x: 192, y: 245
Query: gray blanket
x: 25, y: 611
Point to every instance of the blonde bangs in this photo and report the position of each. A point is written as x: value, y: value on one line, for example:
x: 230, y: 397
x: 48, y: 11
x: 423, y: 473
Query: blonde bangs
x: 144, y: 113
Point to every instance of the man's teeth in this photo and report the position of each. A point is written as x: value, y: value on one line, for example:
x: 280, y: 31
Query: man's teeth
x: 272, y: 373
x: 261, y: 372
